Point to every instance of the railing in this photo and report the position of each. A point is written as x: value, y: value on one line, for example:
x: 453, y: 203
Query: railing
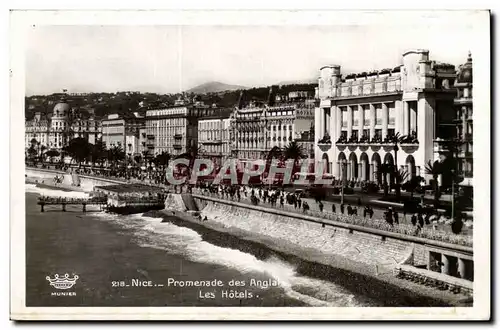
x: 379, y: 224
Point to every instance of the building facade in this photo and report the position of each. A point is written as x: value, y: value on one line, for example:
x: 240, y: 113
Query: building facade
x: 213, y: 135
x: 124, y: 131
x: 259, y: 128
x: 113, y: 131
x: 360, y: 114
x: 56, y: 130
x: 172, y: 129
x: 464, y: 118
x: 463, y: 124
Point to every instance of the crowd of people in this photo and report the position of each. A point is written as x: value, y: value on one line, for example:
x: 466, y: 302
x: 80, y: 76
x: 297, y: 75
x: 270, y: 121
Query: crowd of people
x: 277, y: 197
x: 274, y: 197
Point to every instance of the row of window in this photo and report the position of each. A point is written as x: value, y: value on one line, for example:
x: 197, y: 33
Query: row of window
x: 366, y: 133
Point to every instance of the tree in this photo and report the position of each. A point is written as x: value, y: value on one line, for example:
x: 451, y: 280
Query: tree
x: 293, y: 151
x: 52, y: 153
x: 396, y: 140
x: 78, y: 149
x: 32, y: 153
x: 162, y: 159
x: 274, y: 153
x: 296, y: 152
x: 115, y: 154
x: 434, y: 170
x: 99, y: 152
x: 138, y: 159
x: 399, y: 177
x: 413, y: 184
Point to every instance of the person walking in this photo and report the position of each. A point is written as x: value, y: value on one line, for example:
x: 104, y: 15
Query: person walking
x: 396, y: 218
x: 420, y: 220
x: 333, y: 208
x: 349, y: 209
x: 414, y: 220
x: 320, y: 206
x: 342, y: 208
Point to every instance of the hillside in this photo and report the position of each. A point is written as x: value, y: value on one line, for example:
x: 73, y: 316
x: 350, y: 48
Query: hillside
x: 213, y: 87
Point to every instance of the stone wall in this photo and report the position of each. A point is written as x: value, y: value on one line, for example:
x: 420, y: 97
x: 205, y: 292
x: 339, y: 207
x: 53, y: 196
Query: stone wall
x: 380, y: 251
x: 361, y: 244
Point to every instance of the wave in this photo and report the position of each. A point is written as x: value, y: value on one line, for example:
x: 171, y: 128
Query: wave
x: 151, y: 232
x: 33, y: 188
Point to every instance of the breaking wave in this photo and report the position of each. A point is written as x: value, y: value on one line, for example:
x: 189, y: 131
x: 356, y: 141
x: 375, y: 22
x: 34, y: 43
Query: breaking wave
x: 151, y: 232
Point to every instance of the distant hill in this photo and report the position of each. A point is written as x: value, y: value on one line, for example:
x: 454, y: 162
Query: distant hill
x: 213, y: 87
x: 298, y: 82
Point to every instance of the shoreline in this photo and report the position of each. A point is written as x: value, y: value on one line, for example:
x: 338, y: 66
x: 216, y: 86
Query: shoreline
x: 307, y: 255
x: 327, y: 262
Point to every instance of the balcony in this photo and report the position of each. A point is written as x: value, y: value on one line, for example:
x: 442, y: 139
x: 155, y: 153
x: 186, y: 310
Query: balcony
x: 150, y: 136
x: 177, y: 136
x: 325, y: 143
x: 211, y: 142
x: 177, y: 146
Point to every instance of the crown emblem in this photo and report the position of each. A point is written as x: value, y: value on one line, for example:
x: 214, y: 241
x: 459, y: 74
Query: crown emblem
x: 62, y: 283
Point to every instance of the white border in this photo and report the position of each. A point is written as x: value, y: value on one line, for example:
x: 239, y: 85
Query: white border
x: 480, y: 48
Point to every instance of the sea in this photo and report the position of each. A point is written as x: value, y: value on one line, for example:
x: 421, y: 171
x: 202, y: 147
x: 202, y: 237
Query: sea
x: 157, y: 260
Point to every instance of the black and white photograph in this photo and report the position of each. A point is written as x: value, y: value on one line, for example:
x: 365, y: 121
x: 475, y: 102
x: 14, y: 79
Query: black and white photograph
x: 233, y: 165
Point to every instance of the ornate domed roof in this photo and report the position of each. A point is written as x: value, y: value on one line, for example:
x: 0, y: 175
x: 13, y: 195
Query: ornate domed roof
x: 61, y: 109
x: 465, y: 71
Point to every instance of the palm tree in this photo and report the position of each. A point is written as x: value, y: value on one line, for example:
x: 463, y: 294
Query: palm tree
x: 274, y: 153
x: 294, y: 151
x: 399, y: 177
x: 434, y: 169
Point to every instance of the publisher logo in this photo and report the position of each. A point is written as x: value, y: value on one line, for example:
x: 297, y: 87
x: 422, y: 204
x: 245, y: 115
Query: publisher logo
x: 62, y: 283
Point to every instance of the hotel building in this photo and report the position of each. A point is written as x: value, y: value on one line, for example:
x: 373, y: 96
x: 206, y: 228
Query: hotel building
x: 56, y: 130
x: 213, y: 135
x: 463, y: 125
x: 172, y: 129
x: 258, y: 128
x: 359, y: 114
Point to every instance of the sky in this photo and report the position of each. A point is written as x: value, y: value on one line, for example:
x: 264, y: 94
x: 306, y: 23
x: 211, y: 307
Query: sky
x: 170, y: 59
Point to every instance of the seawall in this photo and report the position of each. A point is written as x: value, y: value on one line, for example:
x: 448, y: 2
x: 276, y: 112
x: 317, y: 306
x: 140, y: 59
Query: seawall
x: 359, y: 249
x: 372, y: 251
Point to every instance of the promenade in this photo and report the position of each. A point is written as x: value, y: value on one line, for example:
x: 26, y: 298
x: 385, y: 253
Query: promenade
x: 434, y: 231
x: 439, y: 231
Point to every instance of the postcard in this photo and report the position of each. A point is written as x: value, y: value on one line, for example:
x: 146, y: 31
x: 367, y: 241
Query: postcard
x: 250, y: 165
